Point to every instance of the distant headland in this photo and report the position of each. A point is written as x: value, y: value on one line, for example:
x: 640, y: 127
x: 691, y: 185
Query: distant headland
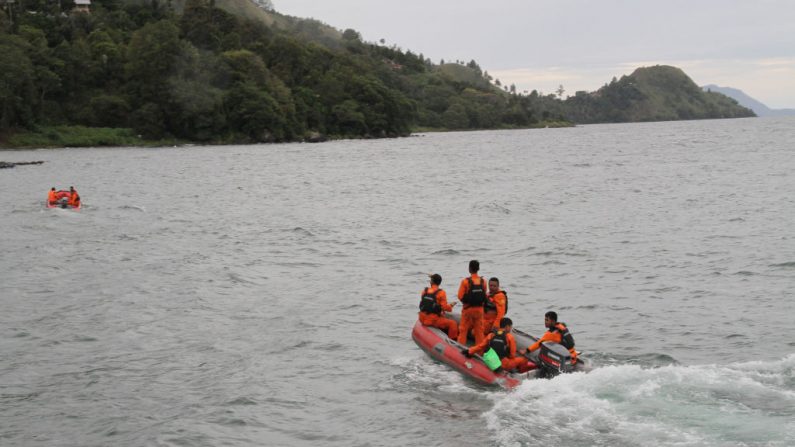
x: 746, y: 101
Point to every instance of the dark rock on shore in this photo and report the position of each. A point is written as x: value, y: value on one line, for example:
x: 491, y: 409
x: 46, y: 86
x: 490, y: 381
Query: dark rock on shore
x: 6, y: 165
x: 315, y: 137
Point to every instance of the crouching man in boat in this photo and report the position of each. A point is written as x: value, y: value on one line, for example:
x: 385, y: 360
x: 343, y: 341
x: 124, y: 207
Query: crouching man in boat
x: 504, y: 345
x: 432, y: 305
x: 74, y: 197
x: 52, y: 197
x: 556, y: 333
x: 495, y: 307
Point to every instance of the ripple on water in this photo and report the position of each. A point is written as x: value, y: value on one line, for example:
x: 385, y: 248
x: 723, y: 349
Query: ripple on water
x: 302, y: 232
x: 446, y: 252
x: 784, y: 265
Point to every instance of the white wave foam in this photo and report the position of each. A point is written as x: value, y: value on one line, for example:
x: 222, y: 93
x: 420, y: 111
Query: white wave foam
x: 740, y: 404
x: 425, y: 373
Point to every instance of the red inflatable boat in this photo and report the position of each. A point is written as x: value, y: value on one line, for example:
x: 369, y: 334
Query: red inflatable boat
x: 551, y: 359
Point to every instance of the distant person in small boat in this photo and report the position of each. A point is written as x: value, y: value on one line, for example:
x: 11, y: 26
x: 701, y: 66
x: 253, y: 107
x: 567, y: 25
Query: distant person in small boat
x: 495, y: 307
x: 472, y: 292
x: 502, y: 342
x: 52, y: 196
x: 74, y: 197
x: 556, y: 333
x: 433, y: 304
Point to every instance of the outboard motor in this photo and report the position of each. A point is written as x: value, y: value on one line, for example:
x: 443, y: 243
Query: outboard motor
x: 554, y: 359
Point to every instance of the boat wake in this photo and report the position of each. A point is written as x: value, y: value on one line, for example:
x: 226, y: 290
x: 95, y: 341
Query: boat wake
x: 741, y: 404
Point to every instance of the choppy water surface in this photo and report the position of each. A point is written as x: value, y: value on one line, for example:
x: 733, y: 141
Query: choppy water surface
x: 264, y: 295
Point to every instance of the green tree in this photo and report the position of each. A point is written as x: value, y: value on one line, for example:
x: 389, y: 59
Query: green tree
x: 348, y: 119
x: 254, y: 113
x: 149, y: 121
x: 196, y: 111
x: 351, y: 34
x: 152, y: 53
x: 109, y: 111
x: 17, y: 91
x: 455, y: 117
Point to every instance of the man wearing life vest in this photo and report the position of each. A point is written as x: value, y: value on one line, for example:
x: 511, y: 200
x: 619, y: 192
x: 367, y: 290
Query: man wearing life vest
x: 74, y: 197
x: 433, y: 304
x: 51, y: 196
x: 472, y: 292
x: 495, y: 308
x: 503, y: 343
x: 556, y: 333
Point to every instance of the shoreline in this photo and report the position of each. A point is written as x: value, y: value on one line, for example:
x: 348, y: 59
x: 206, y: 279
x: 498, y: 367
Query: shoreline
x: 59, y: 137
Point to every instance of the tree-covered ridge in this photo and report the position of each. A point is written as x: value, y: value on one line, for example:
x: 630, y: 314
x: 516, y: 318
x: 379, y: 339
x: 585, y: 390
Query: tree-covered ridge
x: 659, y: 93
x: 205, y: 75
x: 208, y: 75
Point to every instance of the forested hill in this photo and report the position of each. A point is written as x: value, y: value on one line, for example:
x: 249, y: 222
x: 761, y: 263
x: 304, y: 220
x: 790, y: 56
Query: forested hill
x: 191, y: 71
x: 658, y: 93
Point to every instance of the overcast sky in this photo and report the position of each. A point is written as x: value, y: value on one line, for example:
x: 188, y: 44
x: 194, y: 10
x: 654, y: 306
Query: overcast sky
x: 582, y: 44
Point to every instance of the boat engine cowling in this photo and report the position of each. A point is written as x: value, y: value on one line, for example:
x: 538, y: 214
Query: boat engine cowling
x: 554, y: 358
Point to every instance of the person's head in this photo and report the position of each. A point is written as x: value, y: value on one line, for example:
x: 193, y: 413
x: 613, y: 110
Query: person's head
x: 494, y: 285
x: 436, y: 279
x: 52, y: 189
x: 506, y: 324
x: 71, y: 188
x: 474, y: 266
x: 550, y: 319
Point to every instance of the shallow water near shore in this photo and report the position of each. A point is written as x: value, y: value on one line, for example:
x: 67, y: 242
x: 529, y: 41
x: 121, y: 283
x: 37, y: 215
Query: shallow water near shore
x: 264, y: 295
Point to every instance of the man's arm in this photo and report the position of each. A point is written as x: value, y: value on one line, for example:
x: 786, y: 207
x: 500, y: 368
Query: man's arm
x: 441, y: 298
x: 480, y: 347
x: 462, y: 289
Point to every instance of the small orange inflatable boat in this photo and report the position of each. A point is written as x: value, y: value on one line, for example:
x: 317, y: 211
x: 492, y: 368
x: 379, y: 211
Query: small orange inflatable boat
x: 60, y: 199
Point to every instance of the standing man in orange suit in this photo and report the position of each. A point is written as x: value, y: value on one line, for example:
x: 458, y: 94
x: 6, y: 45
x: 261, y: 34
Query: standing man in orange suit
x: 472, y: 293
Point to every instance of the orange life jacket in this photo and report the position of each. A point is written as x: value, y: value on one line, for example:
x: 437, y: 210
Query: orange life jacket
x: 491, y: 306
x: 429, y: 303
x: 475, y: 296
x: 499, y: 343
x: 566, y: 338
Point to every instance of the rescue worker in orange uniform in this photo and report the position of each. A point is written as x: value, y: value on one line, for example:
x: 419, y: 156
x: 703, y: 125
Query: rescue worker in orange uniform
x: 495, y: 308
x: 556, y: 333
x: 51, y: 196
x: 433, y: 304
x: 472, y: 292
x: 504, y: 344
x: 74, y: 197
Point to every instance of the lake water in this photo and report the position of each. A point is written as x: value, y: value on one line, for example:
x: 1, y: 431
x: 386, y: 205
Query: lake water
x: 264, y: 295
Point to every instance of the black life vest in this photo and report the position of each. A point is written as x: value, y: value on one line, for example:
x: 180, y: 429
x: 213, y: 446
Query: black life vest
x: 428, y: 302
x: 565, y: 336
x: 476, y: 295
x: 499, y: 343
x: 491, y: 306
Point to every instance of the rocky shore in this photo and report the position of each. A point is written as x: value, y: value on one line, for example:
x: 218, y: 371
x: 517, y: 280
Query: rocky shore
x: 7, y: 165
